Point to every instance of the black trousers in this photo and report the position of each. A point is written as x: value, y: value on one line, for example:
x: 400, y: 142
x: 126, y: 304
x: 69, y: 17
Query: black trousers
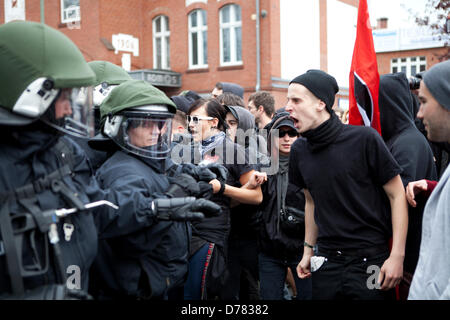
x: 242, y: 267
x: 349, y: 277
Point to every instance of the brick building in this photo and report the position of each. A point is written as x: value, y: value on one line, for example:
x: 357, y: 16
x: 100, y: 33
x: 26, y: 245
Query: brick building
x: 186, y: 44
x: 129, y: 32
x: 192, y: 44
x: 409, y: 50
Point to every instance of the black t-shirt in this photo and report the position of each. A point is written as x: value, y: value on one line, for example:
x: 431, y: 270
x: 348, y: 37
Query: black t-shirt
x: 346, y: 181
x: 233, y: 157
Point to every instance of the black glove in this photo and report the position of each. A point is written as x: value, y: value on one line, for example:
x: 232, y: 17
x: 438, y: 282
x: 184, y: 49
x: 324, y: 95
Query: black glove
x: 183, y: 185
x: 184, y: 209
x: 199, y: 173
x: 219, y: 170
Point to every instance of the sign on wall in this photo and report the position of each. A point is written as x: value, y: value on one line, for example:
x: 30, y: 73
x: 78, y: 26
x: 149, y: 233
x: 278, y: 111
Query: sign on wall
x: 163, y: 78
x: 14, y: 10
x: 386, y: 40
x: 125, y: 42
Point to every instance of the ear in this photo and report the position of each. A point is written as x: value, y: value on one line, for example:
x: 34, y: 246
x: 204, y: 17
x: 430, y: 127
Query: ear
x: 321, y: 105
x: 215, y: 122
x: 261, y: 109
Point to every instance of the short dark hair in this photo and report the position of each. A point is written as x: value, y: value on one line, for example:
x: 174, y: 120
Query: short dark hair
x: 230, y: 99
x: 219, y: 85
x: 213, y: 109
x: 265, y: 99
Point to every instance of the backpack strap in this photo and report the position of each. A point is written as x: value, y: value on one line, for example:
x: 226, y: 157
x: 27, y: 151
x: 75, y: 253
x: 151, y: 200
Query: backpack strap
x: 9, y: 244
x: 26, y: 196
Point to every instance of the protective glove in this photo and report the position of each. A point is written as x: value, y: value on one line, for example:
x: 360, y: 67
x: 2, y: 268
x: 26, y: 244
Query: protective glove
x: 199, y: 173
x: 184, y: 209
x: 184, y: 185
x: 219, y: 170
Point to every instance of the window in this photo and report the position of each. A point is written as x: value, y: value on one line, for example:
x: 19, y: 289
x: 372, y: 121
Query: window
x: 161, y: 43
x: 230, y: 35
x: 198, y: 39
x: 70, y: 11
x: 410, y: 65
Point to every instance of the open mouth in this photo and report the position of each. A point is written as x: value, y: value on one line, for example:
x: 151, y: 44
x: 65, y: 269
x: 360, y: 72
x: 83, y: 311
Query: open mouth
x: 295, y: 122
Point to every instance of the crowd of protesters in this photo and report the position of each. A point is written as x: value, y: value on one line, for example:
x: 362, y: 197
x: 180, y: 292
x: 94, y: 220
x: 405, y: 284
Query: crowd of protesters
x: 211, y: 197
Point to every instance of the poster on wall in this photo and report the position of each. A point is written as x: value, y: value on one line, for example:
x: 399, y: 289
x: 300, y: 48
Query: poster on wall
x: 14, y: 10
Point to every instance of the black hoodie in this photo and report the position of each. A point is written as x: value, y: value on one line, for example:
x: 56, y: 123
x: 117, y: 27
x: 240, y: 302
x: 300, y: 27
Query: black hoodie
x: 243, y: 215
x: 408, y: 146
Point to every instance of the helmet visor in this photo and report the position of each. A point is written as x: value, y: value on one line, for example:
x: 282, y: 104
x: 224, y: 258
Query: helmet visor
x: 149, y: 137
x: 73, y: 112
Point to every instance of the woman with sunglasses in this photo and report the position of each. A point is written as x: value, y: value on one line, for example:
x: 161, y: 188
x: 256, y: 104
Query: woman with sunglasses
x: 282, y: 228
x: 206, y: 121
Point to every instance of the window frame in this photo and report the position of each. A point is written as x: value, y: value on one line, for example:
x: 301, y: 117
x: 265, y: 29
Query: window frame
x: 164, y: 35
x: 70, y: 20
x: 408, y: 64
x: 199, y: 29
x: 231, y: 25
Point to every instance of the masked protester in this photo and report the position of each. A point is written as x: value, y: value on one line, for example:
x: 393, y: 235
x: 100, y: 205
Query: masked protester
x: 412, y: 152
x: 151, y: 263
x: 47, y: 191
x: 282, y: 227
x: 242, y: 262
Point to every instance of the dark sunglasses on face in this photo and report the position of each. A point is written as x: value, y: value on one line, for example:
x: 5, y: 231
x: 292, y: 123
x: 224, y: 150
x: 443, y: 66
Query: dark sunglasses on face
x: 291, y: 133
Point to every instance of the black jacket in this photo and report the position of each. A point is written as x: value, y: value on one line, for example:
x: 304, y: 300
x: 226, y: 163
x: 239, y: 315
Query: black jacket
x: 27, y: 154
x: 273, y: 240
x: 151, y: 260
x: 409, y: 147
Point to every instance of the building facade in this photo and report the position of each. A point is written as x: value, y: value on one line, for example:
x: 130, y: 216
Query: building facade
x: 409, y: 50
x: 192, y: 44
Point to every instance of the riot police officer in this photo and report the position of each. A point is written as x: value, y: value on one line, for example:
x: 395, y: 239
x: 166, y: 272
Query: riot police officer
x: 47, y: 227
x: 107, y: 77
x: 137, y: 118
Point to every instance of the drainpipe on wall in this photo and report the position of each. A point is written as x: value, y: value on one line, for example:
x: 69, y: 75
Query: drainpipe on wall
x: 42, y: 12
x: 258, y: 57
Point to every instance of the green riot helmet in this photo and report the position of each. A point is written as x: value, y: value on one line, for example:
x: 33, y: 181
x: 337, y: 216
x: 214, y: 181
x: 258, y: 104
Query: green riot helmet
x: 138, y: 118
x: 44, y: 77
x: 108, y: 76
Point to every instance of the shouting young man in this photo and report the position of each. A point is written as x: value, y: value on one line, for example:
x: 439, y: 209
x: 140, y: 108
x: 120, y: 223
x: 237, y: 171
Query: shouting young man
x: 355, y: 201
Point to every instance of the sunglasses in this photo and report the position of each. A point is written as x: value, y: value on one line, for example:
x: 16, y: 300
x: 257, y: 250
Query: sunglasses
x: 196, y: 119
x: 291, y: 133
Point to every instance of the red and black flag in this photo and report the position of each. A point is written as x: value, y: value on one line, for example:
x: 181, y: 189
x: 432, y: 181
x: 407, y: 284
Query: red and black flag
x: 364, y: 77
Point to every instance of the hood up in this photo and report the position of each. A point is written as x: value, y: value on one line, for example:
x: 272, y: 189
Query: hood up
x: 395, y: 104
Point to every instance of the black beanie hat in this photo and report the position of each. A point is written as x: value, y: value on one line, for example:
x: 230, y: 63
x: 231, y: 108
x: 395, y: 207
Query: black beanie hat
x: 321, y: 84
